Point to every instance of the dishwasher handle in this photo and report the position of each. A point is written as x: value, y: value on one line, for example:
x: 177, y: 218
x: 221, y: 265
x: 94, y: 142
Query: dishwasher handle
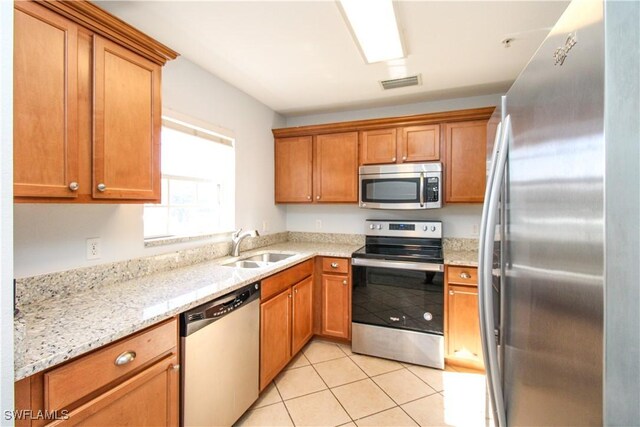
x: 197, y: 318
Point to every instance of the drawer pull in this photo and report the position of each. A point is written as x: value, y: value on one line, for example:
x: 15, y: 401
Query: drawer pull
x: 126, y: 357
x: 174, y: 367
x: 344, y: 282
x: 334, y: 265
x: 465, y: 275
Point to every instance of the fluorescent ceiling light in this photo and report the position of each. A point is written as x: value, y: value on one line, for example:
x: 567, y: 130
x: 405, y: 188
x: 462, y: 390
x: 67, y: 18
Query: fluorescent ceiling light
x: 373, y: 22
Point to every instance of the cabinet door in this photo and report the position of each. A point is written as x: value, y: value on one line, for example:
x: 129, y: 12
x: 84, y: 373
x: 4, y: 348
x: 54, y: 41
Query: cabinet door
x: 463, y: 340
x: 336, y: 168
x: 275, y: 336
x: 293, y: 164
x: 465, y: 161
x: 419, y: 143
x: 378, y: 146
x: 45, y: 103
x: 336, y: 305
x: 127, y: 114
x: 149, y: 398
x: 302, y: 314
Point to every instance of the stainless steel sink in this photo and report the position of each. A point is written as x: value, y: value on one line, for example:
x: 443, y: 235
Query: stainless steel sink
x: 258, y: 261
x: 268, y: 257
x: 246, y: 264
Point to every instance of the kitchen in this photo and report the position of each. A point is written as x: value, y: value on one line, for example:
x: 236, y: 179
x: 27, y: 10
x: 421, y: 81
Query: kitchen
x: 50, y: 237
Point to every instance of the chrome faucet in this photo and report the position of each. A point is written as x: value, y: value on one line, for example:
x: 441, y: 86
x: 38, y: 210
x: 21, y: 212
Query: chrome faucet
x: 236, y: 238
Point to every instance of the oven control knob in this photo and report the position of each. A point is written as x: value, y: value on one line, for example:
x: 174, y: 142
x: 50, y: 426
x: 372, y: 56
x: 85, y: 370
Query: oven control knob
x: 372, y: 226
x: 425, y: 227
x: 379, y: 227
x: 433, y: 228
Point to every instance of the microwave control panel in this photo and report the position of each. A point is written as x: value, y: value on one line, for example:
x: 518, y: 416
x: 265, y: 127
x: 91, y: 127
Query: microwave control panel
x: 432, y: 189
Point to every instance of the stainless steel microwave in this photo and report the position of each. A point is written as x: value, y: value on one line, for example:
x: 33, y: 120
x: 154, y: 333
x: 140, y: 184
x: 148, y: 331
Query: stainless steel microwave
x: 403, y: 186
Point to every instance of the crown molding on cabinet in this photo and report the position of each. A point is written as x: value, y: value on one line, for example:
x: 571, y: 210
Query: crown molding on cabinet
x: 357, y: 125
x: 105, y: 24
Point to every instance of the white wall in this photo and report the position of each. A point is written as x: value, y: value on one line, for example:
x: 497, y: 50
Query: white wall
x: 52, y: 238
x: 458, y: 220
x: 397, y: 110
x: 6, y: 211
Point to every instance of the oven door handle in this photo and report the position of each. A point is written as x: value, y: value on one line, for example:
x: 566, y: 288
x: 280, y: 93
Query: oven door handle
x: 398, y: 265
x: 422, y: 189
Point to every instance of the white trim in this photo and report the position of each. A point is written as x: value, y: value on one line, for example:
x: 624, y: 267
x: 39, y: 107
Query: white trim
x: 188, y: 124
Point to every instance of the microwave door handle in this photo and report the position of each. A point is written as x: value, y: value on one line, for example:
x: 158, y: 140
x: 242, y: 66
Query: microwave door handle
x: 421, y: 189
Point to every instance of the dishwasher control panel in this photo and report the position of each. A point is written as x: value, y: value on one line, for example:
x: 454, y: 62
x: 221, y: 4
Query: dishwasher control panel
x: 197, y: 318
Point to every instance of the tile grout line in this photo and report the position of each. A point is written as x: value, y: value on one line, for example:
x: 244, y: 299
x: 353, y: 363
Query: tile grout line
x: 331, y: 391
x: 416, y: 375
x: 284, y: 403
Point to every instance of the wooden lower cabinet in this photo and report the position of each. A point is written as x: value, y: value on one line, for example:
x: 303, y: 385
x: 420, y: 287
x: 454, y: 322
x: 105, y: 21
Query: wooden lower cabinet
x: 275, y: 336
x: 336, y: 297
x: 302, y: 322
x: 463, y: 341
x: 286, y: 318
x: 92, y: 390
x: 336, y: 306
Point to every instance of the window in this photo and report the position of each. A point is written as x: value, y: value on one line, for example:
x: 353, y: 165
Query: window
x: 198, y: 183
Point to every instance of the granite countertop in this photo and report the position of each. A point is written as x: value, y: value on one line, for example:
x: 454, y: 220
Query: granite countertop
x: 461, y: 257
x: 63, y: 327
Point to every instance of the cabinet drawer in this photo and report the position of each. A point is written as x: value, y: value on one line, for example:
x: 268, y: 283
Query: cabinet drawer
x: 335, y: 265
x: 75, y: 380
x: 464, y: 275
x: 278, y: 282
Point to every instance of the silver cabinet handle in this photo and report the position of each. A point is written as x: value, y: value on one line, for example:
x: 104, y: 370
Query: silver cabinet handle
x: 452, y: 292
x: 317, y: 197
x: 175, y: 367
x: 308, y: 197
x: 404, y: 157
x: 289, y: 295
x: 344, y: 282
x: 393, y: 160
x: 334, y: 265
x: 465, y: 275
x: 124, y: 358
x: 73, y: 186
x: 421, y: 189
x: 101, y: 187
x: 296, y: 291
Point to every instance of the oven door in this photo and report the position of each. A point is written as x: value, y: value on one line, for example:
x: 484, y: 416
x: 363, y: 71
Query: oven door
x: 416, y: 190
x: 398, y: 294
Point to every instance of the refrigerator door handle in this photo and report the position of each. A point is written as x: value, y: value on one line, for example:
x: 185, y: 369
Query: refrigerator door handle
x: 485, y: 265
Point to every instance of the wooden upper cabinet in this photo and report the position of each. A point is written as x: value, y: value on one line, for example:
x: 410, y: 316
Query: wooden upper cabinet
x: 294, y: 169
x: 378, y: 146
x: 87, y: 106
x: 127, y: 112
x: 419, y: 143
x: 465, y: 161
x: 45, y: 127
x: 336, y: 168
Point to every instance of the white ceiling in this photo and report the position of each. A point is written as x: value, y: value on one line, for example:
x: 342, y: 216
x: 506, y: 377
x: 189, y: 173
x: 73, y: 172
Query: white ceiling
x: 299, y: 57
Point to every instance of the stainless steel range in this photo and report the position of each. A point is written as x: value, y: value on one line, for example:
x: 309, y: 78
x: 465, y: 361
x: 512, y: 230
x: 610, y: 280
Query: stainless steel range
x: 398, y: 292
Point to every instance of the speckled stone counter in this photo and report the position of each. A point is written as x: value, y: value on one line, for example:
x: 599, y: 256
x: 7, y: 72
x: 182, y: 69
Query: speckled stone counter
x: 65, y: 326
x: 460, y: 251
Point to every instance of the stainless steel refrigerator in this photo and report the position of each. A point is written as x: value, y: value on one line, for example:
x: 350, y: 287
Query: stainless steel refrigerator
x: 559, y: 260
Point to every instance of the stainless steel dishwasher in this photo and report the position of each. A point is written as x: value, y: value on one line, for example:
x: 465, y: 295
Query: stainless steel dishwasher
x: 220, y: 358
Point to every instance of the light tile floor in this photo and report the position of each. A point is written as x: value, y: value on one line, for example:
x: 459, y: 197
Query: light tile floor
x: 328, y: 385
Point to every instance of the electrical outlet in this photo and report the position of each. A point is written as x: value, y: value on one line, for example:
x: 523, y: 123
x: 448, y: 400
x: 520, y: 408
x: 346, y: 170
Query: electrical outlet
x: 265, y: 226
x: 475, y: 229
x: 318, y: 224
x: 93, y: 248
